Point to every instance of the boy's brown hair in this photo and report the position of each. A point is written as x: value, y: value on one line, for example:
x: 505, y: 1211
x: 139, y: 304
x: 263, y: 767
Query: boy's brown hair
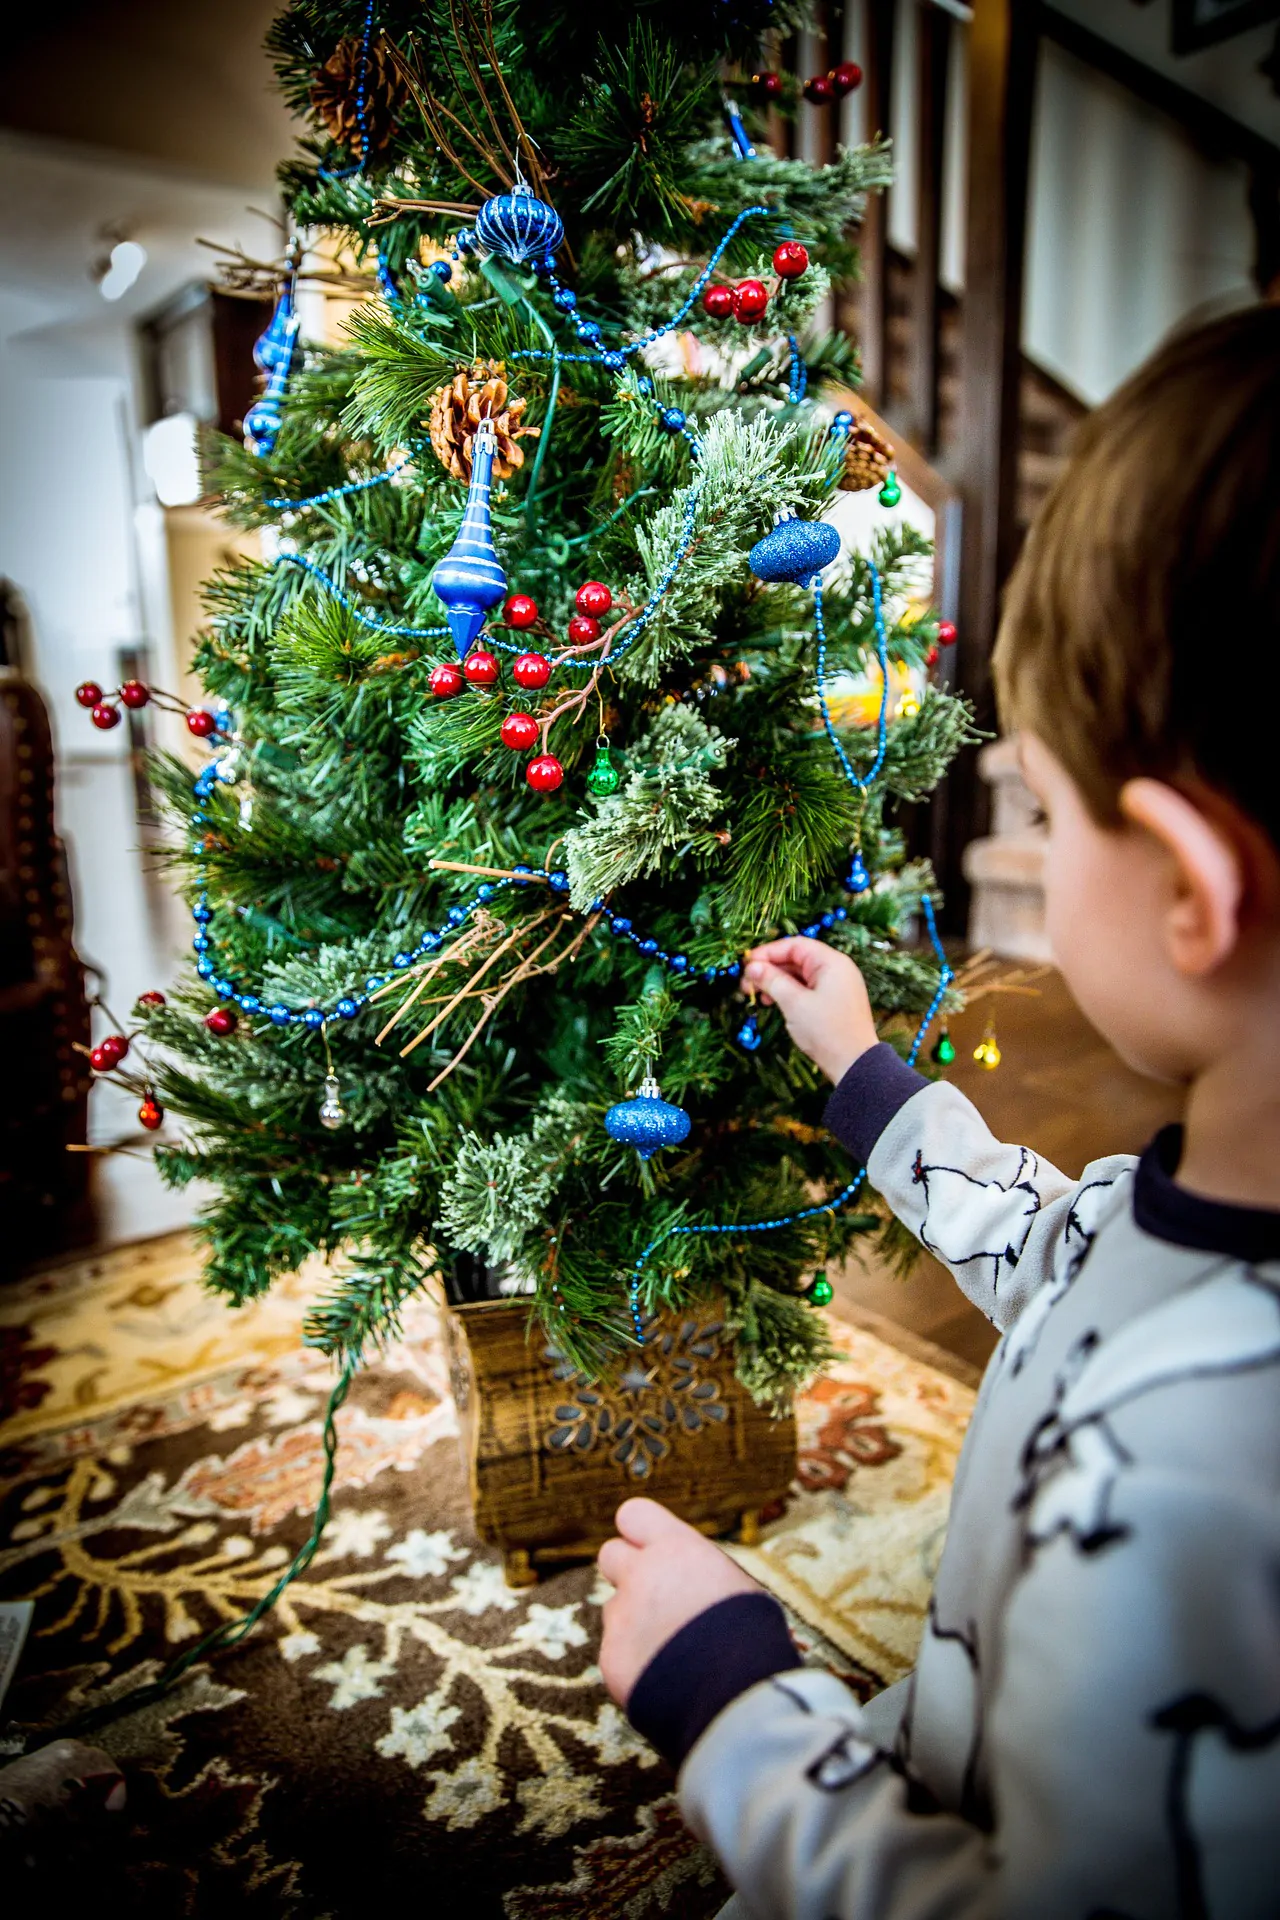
x: 1141, y: 628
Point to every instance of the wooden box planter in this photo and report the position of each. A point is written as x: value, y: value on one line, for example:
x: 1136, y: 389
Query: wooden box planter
x: 551, y: 1456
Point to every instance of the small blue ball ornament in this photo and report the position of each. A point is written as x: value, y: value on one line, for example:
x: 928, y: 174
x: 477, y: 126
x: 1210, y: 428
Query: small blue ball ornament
x: 857, y: 880
x: 646, y: 1121
x: 797, y: 550
x: 517, y: 226
x: 749, y: 1035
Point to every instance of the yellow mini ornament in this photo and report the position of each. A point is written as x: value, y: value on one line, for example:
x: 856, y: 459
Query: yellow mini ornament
x: 987, y: 1052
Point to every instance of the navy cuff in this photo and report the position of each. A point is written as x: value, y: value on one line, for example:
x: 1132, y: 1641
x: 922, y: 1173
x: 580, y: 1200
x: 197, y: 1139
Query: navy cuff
x: 877, y: 1084
x: 717, y: 1655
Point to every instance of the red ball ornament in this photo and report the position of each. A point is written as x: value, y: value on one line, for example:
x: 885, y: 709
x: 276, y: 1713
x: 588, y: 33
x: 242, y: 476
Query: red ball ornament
x: 481, y: 667
x: 819, y: 90
x: 593, y: 597
x: 519, y: 731
x: 134, y: 694
x: 947, y: 635
x: 521, y: 610
x: 931, y: 658
x: 750, y: 298
x: 846, y: 77
x: 545, y: 773
x: 152, y: 999
x: 151, y: 1114
x: 531, y: 670
x: 768, y: 83
x: 717, y: 300
x: 445, y: 680
x: 582, y: 628
x: 88, y: 693
x: 200, y: 722
x: 113, y: 1048
x: 790, y: 260
x: 105, y: 716
x: 221, y: 1020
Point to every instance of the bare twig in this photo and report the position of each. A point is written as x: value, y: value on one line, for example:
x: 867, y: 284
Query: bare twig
x: 521, y: 972
x: 516, y: 934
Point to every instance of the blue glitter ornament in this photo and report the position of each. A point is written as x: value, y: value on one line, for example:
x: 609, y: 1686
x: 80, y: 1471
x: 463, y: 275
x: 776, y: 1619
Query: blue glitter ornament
x: 857, y: 880
x: 646, y: 1121
x: 469, y: 579
x: 516, y: 226
x: 749, y: 1035
x: 796, y: 550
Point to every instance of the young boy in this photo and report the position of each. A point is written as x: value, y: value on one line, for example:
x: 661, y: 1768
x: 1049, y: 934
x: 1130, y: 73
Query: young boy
x: 1093, y: 1724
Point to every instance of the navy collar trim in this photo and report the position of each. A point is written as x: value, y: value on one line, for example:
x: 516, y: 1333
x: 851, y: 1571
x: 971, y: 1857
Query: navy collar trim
x: 1170, y: 1212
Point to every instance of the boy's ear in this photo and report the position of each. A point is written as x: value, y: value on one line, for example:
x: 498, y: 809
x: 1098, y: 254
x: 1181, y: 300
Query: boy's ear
x: 1202, y: 925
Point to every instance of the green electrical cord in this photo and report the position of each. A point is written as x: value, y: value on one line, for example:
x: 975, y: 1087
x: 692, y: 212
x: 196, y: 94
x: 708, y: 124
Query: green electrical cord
x: 231, y: 1632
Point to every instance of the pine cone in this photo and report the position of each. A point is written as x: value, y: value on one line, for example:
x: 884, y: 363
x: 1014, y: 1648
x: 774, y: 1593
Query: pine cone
x: 335, y: 95
x: 867, y: 458
x: 458, y: 409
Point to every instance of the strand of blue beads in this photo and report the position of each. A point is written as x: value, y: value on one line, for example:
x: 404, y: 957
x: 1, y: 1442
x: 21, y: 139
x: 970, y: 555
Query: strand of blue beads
x: 349, y: 1004
x: 798, y: 377
x: 860, y: 781
x: 344, y: 599
x: 362, y: 115
x: 337, y: 493
x: 846, y: 1194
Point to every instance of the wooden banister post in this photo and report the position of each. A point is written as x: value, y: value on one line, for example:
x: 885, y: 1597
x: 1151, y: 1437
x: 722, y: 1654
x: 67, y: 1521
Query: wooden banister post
x: 1003, y: 41
x: 874, y: 343
x: 934, y: 31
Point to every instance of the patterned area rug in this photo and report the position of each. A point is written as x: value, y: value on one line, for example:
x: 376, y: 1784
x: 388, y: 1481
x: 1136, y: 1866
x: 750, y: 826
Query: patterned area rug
x: 402, y: 1726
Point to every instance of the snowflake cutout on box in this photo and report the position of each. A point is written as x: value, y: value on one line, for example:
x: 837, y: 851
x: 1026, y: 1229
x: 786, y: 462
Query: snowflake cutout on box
x: 662, y: 1391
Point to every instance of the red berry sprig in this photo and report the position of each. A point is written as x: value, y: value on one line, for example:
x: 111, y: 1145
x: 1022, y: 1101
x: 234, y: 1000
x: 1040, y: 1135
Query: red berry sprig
x: 531, y: 670
x: 750, y: 299
x: 446, y: 680
x: 790, y: 260
x: 481, y: 667
x: 520, y: 611
x: 947, y: 634
x: 545, y: 773
x: 221, y: 1021
x: 583, y: 630
x: 108, y: 1053
x: 593, y: 598
x: 105, y: 714
x: 519, y: 731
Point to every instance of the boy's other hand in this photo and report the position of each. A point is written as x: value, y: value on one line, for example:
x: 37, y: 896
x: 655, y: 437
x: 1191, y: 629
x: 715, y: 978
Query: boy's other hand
x: 665, y: 1574
x: 821, y: 996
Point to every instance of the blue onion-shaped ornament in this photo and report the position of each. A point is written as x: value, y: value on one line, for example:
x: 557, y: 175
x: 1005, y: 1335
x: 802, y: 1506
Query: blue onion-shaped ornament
x: 796, y: 550
x: 517, y: 226
x: 857, y: 880
x: 469, y: 579
x: 646, y: 1121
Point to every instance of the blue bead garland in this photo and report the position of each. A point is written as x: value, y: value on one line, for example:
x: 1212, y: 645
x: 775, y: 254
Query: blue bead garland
x: 344, y: 599
x: 338, y: 493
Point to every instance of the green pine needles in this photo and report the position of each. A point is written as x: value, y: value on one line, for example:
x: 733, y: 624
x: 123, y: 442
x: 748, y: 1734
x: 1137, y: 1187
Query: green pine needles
x: 476, y: 1079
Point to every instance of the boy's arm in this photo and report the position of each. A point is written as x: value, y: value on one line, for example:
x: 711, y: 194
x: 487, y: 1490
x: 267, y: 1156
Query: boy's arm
x: 1004, y: 1221
x: 1132, y: 1747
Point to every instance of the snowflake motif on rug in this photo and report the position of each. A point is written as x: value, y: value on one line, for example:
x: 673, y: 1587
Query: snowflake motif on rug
x: 662, y: 1390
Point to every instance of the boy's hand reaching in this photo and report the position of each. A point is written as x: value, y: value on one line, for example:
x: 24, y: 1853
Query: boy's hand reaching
x: 665, y: 1573
x: 821, y: 997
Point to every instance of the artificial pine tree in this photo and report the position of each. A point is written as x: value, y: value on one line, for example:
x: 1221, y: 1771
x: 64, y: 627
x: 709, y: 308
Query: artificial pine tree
x: 663, y: 799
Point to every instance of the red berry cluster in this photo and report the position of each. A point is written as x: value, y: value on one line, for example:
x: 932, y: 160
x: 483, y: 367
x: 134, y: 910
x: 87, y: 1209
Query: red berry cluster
x: 531, y: 671
x: 749, y: 299
x: 105, y: 714
x: 820, y: 89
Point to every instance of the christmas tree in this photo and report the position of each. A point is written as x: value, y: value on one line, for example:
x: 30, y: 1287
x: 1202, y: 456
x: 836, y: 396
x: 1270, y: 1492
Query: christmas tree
x: 520, y: 735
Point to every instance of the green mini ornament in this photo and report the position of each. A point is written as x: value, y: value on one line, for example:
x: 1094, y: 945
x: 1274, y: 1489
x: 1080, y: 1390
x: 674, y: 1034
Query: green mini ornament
x: 890, y: 493
x: 820, y: 1291
x: 604, y: 777
x: 943, y: 1049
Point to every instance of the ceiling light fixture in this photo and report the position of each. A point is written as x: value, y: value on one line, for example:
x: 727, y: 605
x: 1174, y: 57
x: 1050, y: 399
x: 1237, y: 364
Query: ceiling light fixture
x: 126, y: 262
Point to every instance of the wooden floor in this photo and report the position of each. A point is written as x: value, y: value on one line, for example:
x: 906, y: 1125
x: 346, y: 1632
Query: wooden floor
x: 1059, y: 1089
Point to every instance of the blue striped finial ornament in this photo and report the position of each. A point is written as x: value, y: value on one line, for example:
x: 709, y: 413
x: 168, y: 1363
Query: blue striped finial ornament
x: 276, y: 347
x: 737, y: 131
x: 262, y: 422
x: 646, y: 1121
x: 797, y: 550
x: 469, y: 579
x: 274, y: 351
x: 518, y: 227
